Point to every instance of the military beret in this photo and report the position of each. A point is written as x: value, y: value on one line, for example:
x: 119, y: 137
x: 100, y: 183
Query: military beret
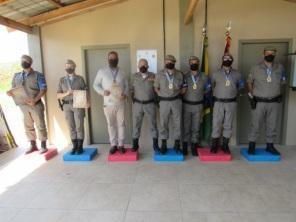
x: 27, y: 58
x: 170, y: 57
x: 193, y: 58
x: 71, y: 62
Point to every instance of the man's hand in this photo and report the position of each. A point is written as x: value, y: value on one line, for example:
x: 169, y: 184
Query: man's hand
x: 69, y: 93
x: 30, y: 102
x: 9, y: 93
x: 106, y: 93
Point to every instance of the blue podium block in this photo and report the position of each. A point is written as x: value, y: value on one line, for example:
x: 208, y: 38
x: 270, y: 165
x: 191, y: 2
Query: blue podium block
x: 170, y: 156
x: 261, y: 155
x: 87, y: 155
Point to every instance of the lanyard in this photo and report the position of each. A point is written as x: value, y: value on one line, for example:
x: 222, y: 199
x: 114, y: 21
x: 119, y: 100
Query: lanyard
x: 268, y: 71
x: 171, y: 80
x: 195, y: 80
x: 227, y: 75
x: 69, y: 82
x: 114, y: 74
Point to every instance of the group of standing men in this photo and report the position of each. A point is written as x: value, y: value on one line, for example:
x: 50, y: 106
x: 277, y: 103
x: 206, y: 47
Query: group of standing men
x: 180, y: 98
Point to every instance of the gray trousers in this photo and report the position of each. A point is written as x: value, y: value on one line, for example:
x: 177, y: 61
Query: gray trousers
x: 75, y: 121
x: 264, y: 113
x: 223, y: 116
x: 169, y: 109
x: 34, y: 115
x: 138, y: 114
x: 191, y: 122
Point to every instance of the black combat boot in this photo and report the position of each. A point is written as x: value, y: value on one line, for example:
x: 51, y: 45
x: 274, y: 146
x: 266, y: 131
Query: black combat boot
x: 252, y: 148
x: 79, y: 146
x: 185, y: 148
x: 135, y: 145
x: 121, y: 150
x: 225, y: 146
x: 32, y: 148
x: 113, y: 149
x: 43, y: 148
x: 271, y: 149
x: 194, y: 149
x: 155, y: 145
x: 164, y: 147
x: 215, y: 145
x: 177, y: 147
x: 75, y: 146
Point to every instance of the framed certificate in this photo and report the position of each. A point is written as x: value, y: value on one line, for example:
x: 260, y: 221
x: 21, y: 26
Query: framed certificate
x: 19, y: 95
x: 116, y: 92
x: 80, y: 99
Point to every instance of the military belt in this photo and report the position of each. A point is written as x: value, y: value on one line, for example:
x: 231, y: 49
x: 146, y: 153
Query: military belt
x: 230, y: 100
x: 193, y: 102
x: 144, y: 102
x: 276, y: 99
x: 169, y: 98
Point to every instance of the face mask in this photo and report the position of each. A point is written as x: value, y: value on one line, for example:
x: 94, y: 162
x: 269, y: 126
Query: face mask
x: 113, y: 63
x: 143, y: 69
x: 227, y: 63
x: 194, y: 67
x: 269, y: 58
x: 170, y: 65
x: 26, y: 65
x: 69, y: 70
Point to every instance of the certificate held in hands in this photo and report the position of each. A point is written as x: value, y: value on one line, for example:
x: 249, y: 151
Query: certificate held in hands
x: 80, y: 99
x: 116, y: 92
x: 19, y: 95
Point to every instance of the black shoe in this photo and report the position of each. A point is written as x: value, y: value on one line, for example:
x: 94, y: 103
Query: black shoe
x: 225, y: 146
x: 79, y: 147
x: 32, y: 148
x: 155, y: 145
x: 43, y: 148
x: 177, y: 147
x: 113, y: 149
x: 135, y: 145
x: 74, y: 148
x: 271, y: 149
x: 185, y: 148
x: 214, y: 145
x: 252, y: 148
x: 121, y: 150
x: 164, y: 147
x: 194, y: 149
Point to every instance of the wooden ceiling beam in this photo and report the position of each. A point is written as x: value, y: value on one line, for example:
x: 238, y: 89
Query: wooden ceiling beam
x: 66, y: 11
x: 55, y: 3
x: 190, y: 11
x: 2, y: 2
x: 15, y: 25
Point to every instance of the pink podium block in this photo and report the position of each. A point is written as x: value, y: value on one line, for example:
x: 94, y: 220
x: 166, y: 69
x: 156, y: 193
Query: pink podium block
x: 50, y: 153
x: 206, y: 156
x: 128, y: 156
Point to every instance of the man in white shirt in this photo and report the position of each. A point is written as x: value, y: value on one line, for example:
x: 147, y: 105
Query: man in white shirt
x: 112, y: 83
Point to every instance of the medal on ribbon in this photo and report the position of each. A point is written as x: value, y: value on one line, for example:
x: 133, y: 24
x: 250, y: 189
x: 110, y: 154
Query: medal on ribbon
x: 195, y: 81
x: 227, y: 82
x: 170, y: 80
x: 268, y: 72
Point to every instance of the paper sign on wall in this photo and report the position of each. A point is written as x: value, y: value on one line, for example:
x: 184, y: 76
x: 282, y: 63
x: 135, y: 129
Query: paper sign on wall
x: 151, y: 56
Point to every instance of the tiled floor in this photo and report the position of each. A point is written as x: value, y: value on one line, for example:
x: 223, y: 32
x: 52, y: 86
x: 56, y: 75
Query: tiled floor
x: 146, y: 191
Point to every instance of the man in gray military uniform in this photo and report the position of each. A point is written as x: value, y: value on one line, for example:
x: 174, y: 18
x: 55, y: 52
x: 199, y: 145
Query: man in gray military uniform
x: 265, y: 83
x: 197, y: 85
x: 226, y: 84
x: 74, y: 116
x: 143, y: 95
x: 169, y: 85
x: 32, y: 108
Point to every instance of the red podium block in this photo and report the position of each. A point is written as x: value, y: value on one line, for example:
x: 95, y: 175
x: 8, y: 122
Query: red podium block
x: 206, y: 156
x: 50, y: 153
x: 128, y: 156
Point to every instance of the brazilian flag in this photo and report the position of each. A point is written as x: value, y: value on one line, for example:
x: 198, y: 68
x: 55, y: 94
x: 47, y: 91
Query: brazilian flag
x: 206, y: 126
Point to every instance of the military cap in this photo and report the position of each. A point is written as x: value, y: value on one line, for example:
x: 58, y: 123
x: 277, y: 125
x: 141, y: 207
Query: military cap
x: 27, y: 58
x: 193, y: 58
x: 71, y: 62
x: 270, y: 48
x: 170, y: 57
